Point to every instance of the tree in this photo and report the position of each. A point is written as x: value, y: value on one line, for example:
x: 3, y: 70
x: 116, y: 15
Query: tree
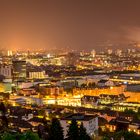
x: 56, y: 131
x: 121, y: 126
x: 4, y: 121
x: 83, y: 85
x: 127, y: 135
x: 2, y: 108
x: 105, y: 138
x: 31, y: 136
x: 82, y: 133
x: 45, y: 132
x: 91, y: 85
x: 129, y: 112
x: 7, y: 136
x: 73, y: 131
x: 2, y: 77
x: 17, y: 136
x: 39, y: 131
x: 3, y: 118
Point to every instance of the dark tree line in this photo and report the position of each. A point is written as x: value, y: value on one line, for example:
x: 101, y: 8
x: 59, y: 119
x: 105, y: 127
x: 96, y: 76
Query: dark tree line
x: 52, y: 131
x: 3, y: 118
x: 55, y: 131
x: 77, y: 133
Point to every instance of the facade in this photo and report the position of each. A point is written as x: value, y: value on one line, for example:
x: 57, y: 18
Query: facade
x: 104, y: 83
x: 6, y: 70
x: 36, y: 74
x: 27, y: 92
x: 90, y: 100
x: 51, y: 90
x: 119, y: 123
x: 90, y: 123
x: 72, y: 59
x: 124, y: 124
x: 134, y: 126
x: 97, y: 91
x: 19, y: 70
x: 107, y: 98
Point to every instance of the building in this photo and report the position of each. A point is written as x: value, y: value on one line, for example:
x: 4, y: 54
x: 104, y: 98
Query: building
x: 5, y: 88
x: 90, y: 122
x: 36, y: 74
x: 60, y: 60
x: 19, y: 70
x: 72, y: 59
x: 93, y: 101
x: 103, y: 83
x: 27, y: 91
x: 134, y: 126
x: 97, y: 91
x: 51, y: 90
x: 109, y: 51
x: 107, y: 98
x: 93, y: 53
x: 90, y: 100
x: 118, y: 52
x: 119, y: 123
x: 6, y: 71
x: 124, y: 124
x: 9, y: 53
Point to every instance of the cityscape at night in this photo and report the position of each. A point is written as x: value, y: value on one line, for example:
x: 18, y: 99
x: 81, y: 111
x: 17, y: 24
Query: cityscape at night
x: 69, y: 70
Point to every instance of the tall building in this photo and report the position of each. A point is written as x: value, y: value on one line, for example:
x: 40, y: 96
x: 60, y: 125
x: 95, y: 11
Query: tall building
x: 19, y: 70
x: 109, y: 51
x: 93, y: 53
x: 128, y: 51
x: 36, y: 74
x: 118, y: 52
x: 9, y: 53
x: 90, y: 122
x: 6, y: 70
x: 72, y: 58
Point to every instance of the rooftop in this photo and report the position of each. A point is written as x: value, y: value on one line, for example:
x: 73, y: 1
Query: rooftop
x: 78, y: 116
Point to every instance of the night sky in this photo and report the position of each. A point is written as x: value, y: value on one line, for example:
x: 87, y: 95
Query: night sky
x: 77, y: 24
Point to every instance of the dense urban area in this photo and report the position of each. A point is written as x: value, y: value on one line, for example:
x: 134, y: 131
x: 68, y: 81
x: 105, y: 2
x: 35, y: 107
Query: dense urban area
x: 70, y: 95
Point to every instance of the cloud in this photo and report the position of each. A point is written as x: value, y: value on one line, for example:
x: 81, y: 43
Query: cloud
x: 132, y: 33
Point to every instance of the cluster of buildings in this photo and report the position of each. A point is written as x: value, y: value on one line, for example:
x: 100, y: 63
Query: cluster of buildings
x: 95, y: 81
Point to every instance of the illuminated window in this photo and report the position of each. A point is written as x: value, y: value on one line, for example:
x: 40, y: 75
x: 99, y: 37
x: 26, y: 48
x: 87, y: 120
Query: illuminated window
x: 79, y: 123
x: 69, y: 122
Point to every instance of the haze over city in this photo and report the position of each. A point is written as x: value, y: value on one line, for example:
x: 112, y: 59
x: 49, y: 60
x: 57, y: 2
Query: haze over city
x: 69, y: 70
x: 81, y: 25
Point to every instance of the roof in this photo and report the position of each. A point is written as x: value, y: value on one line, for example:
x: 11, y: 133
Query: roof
x: 103, y: 81
x: 110, y: 96
x: 78, y: 116
x: 28, y: 89
x: 136, y: 122
x: 21, y: 111
x: 36, y: 119
x: 89, y: 98
x: 102, y: 121
x: 122, y: 96
x: 118, y: 120
x: 20, y: 123
x: 122, y: 120
x: 112, y: 122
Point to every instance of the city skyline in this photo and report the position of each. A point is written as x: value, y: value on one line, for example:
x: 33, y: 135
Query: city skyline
x: 69, y: 70
x: 84, y: 25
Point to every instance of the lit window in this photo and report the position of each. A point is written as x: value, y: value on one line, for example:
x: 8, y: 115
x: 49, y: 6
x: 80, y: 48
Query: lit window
x: 79, y: 123
x: 69, y: 122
